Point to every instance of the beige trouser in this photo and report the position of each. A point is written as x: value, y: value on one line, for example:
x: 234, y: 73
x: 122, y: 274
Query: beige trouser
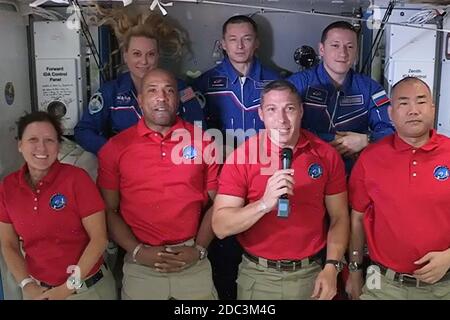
x: 256, y: 282
x: 104, y: 289
x: 72, y: 153
x: 11, y: 290
x: 383, y: 288
x: 145, y: 283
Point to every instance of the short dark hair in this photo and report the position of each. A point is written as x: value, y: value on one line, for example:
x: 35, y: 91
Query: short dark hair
x: 337, y: 25
x: 239, y: 19
x: 408, y: 79
x: 38, y: 116
x: 161, y: 70
x: 280, y: 85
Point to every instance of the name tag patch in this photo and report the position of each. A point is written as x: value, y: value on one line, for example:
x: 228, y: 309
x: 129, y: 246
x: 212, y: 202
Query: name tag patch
x: 261, y: 84
x: 218, y: 83
x: 350, y: 101
x: 315, y: 171
x: 316, y: 95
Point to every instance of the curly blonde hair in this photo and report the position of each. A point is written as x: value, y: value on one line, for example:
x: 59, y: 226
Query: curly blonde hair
x: 150, y: 25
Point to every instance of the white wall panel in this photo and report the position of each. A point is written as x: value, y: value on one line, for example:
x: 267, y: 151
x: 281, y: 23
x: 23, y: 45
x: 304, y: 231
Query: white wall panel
x: 13, y: 69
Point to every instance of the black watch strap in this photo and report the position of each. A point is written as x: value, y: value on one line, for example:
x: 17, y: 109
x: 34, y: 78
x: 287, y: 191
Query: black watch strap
x: 337, y: 264
x: 354, y: 266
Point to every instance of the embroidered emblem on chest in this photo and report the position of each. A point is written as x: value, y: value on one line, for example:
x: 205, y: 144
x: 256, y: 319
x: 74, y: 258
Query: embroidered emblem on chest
x: 58, y: 202
x: 315, y: 171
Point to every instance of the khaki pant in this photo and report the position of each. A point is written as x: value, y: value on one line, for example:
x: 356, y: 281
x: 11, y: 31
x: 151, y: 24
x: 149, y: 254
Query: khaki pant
x: 388, y: 289
x: 256, y: 282
x: 145, y: 283
x: 104, y: 289
x: 11, y: 290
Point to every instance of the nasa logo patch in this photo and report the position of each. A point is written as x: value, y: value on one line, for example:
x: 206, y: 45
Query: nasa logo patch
x: 316, y: 95
x: 315, y: 171
x: 58, y: 202
x: 218, y: 83
x: 441, y: 173
x: 121, y: 99
x: 189, y: 152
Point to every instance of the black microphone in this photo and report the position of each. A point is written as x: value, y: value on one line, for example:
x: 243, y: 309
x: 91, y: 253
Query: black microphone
x: 283, y: 202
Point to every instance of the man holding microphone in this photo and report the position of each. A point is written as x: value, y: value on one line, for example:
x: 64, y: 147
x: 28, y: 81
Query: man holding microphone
x: 284, y: 246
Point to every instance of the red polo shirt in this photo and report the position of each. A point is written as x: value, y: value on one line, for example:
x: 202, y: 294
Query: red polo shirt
x: 404, y: 193
x: 49, y: 219
x: 318, y: 171
x: 161, y: 199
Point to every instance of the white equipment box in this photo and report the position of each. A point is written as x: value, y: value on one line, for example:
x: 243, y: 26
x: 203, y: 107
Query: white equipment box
x: 60, y: 71
x: 410, y: 52
x: 443, y: 116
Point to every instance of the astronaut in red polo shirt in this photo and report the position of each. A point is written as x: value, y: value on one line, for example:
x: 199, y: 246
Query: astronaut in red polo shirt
x: 58, y: 212
x: 282, y: 257
x: 400, y: 196
x: 157, y: 185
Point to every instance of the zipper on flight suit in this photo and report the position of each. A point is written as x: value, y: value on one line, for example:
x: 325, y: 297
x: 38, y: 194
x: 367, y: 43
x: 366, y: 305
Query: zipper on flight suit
x: 338, y: 94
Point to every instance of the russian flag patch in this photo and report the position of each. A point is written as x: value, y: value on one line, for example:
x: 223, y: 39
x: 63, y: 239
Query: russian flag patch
x: 380, y: 98
x: 187, y: 94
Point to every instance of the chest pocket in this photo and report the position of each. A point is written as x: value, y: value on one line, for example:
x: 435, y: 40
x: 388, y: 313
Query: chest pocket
x: 310, y: 182
x: 259, y: 85
x: 187, y: 180
x: 190, y: 172
x: 124, y: 100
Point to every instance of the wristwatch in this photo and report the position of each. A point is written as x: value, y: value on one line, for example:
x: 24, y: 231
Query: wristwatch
x: 26, y: 281
x: 339, y: 265
x: 202, y: 251
x: 354, y: 266
x: 74, y: 282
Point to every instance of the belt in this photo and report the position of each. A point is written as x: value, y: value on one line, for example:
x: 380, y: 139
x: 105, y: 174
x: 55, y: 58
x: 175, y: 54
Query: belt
x: 285, y: 265
x: 89, y: 282
x: 406, y: 279
x: 187, y: 243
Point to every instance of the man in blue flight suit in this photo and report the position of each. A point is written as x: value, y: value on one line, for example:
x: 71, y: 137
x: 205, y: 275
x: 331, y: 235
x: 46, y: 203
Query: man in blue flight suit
x: 341, y: 106
x: 232, y: 91
x: 114, y: 108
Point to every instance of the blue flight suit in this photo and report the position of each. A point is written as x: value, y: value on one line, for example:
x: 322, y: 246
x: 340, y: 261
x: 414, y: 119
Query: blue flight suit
x: 359, y: 105
x: 231, y: 105
x: 114, y: 108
